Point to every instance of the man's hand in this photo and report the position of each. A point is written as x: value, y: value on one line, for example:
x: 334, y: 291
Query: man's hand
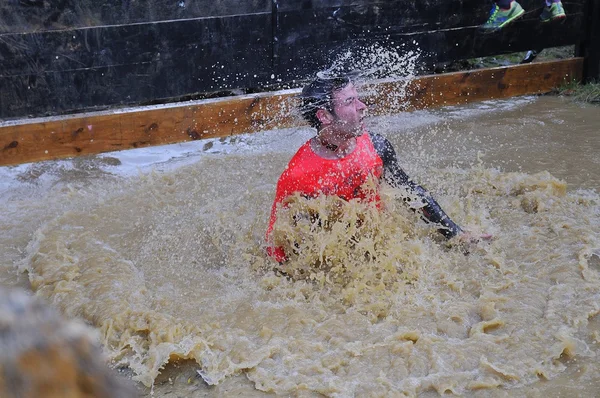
x: 465, y: 240
x: 469, y: 237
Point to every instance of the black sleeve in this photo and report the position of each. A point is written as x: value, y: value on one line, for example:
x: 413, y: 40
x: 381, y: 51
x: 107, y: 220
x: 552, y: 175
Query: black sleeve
x: 396, y: 177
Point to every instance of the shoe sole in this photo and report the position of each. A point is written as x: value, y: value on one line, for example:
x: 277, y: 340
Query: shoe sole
x: 560, y: 18
x: 508, y: 21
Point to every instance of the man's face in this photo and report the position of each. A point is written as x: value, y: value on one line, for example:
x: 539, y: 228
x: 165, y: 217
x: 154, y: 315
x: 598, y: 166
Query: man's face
x: 348, y: 112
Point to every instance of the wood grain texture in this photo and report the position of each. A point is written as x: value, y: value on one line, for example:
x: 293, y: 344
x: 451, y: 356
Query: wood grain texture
x: 59, y: 72
x: 67, y: 56
x: 62, y: 137
x: 312, y: 42
x: 463, y: 87
x: 588, y: 45
x: 27, y: 16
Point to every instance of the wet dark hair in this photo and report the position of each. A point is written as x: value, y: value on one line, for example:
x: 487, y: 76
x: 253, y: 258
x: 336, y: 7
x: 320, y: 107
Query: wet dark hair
x: 318, y: 95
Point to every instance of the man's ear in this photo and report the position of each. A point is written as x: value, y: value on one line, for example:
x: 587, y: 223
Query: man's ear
x: 325, y: 117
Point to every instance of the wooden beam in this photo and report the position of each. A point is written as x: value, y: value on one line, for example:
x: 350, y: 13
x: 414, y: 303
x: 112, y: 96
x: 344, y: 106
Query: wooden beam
x: 588, y: 46
x: 31, y: 16
x: 311, y: 39
x: 61, y: 137
x: 463, y: 87
x: 89, y: 69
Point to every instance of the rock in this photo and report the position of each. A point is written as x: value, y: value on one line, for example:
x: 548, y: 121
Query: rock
x: 44, y: 355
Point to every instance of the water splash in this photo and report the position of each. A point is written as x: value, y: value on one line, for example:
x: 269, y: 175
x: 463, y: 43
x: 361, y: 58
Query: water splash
x: 370, y: 64
x: 377, y: 61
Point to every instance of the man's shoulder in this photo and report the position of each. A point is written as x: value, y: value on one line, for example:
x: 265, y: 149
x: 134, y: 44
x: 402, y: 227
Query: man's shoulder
x: 300, y: 160
x: 377, y: 139
x: 383, y: 147
x: 304, y: 152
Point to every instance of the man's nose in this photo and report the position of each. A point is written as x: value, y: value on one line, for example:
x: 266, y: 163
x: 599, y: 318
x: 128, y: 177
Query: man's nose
x: 360, y: 105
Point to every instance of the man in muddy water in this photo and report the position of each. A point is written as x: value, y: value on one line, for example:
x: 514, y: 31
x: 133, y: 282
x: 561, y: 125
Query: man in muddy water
x: 343, y: 156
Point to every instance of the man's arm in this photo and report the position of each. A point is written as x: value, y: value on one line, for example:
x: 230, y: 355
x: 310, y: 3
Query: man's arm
x: 396, y: 177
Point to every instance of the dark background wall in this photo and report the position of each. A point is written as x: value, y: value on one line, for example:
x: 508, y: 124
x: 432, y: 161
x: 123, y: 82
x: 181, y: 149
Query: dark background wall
x: 65, y: 56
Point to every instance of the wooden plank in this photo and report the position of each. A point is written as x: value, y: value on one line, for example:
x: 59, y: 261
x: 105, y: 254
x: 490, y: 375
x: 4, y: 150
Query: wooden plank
x: 28, y: 16
x: 82, y: 69
x: 387, y: 15
x: 300, y: 24
x: 329, y: 20
x: 206, y: 40
x: 588, y: 46
x: 55, y: 138
x: 460, y: 88
x: 309, y: 41
x: 377, y: 16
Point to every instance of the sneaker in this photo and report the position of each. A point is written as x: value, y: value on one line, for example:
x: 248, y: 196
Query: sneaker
x: 499, y: 18
x: 553, y: 13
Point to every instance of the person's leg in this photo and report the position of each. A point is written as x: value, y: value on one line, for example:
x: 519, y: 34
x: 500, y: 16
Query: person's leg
x: 553, y: 11
x: 503, y: 12
x: 503, y: 4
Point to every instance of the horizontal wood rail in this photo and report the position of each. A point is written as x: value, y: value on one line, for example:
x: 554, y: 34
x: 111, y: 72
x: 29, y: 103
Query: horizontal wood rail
x: 33, y: 140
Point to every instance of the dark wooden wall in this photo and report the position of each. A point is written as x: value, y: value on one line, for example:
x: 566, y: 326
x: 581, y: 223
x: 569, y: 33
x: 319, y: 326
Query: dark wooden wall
x: 65, y: 56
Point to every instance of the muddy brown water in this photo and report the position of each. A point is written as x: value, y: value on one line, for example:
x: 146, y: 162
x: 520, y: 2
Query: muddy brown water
x: 161, y: 249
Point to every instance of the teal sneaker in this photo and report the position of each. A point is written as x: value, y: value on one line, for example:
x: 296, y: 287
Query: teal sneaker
x: 499, y: 18
x: 553, y: 13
